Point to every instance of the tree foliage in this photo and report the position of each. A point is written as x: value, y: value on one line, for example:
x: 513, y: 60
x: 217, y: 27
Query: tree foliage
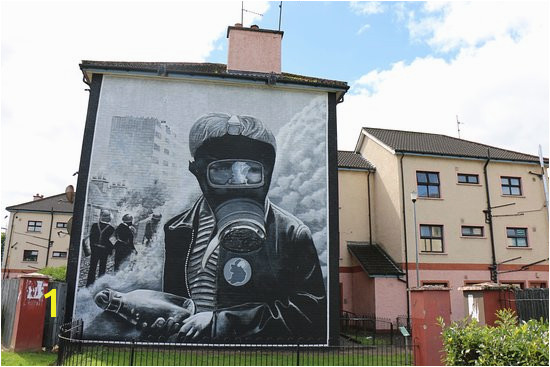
x: 466, y: 343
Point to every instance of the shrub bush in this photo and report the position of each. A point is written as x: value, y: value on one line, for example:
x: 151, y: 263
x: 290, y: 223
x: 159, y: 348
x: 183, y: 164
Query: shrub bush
x: 466, y: 343
x: 57, y: 273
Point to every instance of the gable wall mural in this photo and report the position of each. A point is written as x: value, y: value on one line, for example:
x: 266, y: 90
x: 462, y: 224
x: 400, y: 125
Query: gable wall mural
x: 206, y: 214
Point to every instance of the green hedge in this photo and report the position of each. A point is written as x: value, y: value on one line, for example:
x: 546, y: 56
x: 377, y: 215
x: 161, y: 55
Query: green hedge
x: 506, y: 344
x: 57, y: 273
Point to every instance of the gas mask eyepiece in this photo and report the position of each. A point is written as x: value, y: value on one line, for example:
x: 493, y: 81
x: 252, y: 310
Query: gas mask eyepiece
x: 235, y: 173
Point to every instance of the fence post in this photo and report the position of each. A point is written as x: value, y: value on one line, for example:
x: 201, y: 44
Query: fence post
x: 61, y: 348
x: 297, y: 354
x: 132, y: 352
x: 391, y: 333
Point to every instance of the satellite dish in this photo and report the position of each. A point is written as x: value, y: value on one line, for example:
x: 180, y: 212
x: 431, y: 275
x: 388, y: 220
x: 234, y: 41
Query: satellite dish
x: 69, y: 193
x: 70, y: 225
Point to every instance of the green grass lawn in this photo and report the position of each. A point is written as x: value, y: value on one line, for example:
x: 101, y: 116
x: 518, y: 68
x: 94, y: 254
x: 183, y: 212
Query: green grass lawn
x: 28, y: 358
x: 105, y: 356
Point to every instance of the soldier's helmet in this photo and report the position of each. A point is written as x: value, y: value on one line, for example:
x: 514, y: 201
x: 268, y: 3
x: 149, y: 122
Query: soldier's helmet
x: 157, y: 216
x: 127, y: 218
x: 105, y: 216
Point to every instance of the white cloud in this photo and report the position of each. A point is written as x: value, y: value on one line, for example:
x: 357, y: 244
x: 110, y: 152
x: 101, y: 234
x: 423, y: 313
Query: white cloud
x: 367, y: 7
x: 448, y: 26
x: 497, y: 83
x: 43, y: 100
x: 363, y: 29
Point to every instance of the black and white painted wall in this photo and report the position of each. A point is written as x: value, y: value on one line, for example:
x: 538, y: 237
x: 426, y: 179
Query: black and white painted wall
x: 206, y: 214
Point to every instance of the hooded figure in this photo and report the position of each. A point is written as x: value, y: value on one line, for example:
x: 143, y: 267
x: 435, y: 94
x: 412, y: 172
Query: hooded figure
x: 250, y: 267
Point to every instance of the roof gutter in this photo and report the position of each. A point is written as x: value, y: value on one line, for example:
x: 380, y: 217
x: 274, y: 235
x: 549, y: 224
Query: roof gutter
x: 269, y: 79
x: 412, y: 153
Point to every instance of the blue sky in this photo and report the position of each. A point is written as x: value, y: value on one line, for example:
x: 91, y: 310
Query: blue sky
x: 331, y: 40
x: 410, y: 65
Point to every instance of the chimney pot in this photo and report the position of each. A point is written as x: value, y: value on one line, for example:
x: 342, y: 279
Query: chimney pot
x: 238, y: 25
x: 37, y: 197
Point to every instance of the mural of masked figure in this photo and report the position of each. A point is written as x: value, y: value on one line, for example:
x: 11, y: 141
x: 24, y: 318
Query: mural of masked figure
x: 124, y: 246
x: 250, y: 268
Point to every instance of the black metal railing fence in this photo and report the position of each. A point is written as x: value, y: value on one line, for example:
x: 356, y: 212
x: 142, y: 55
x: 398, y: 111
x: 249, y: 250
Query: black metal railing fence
x: 74, y: 351
x: 368, y: 329
x: 530, y: 303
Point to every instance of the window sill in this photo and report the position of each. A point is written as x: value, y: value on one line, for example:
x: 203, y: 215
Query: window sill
x: 30, y: 261
x: 34, y: 231
x: 518, y: 248
x: 434, y: 253
x: 512, y: 196
x: 468, y: 184
x: 427, y: 198
x: 474, y: 237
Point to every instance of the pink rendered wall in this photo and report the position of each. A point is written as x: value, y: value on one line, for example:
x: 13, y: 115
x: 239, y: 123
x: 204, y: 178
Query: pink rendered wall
x: 358, y: 292
x: 390, y: 298
x: 255, y: 51
x: 364, y: 294
x: 457, y: 278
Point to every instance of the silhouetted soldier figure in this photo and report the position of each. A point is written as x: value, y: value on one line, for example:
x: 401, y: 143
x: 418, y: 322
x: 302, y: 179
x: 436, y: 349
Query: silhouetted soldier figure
x: 100, y: 245
x: 124, y: 245
x: 151, y: 228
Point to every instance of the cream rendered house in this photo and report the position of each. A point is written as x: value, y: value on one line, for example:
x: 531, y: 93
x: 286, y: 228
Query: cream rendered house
x: 31, y: 227
x: 459, y: 240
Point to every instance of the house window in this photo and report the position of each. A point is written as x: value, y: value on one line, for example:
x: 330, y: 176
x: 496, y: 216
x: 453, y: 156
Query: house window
x: 517, y: 237
x: 427, y: 184
x: 59, y: 254
x: 34, y: 226
x: 166, y: 151
x: 30, y: 255
x: 61, y: 225
x: 156, y: 146
x: 431, y: 238
x: 472, y: 231
x: 537, y: 285
x: 511, y: 185
x: 466, y: 178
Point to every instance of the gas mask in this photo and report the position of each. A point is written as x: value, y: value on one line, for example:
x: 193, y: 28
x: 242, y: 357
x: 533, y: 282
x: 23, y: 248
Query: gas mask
x: 234, y: 173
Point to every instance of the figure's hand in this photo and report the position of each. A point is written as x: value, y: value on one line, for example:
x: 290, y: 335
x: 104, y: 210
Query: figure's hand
x: 194, y: 325
x: 161, y: 329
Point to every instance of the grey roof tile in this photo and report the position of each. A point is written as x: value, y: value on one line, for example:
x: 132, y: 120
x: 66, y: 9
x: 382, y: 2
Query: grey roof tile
x: 374, y: 260
x: 58, y: 202
x: 436, y: 144
x: 353, y: 160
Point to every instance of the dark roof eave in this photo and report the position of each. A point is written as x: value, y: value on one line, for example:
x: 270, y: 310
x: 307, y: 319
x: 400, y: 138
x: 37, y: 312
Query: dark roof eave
x: 357, y: 169
x: 400, y: 151
x: 343, y: 87
x: 16, y: 209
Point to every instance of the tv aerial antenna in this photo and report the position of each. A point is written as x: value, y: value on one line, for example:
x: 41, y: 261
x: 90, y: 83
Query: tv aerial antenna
x: 458, y: 123
x: 243, y: 10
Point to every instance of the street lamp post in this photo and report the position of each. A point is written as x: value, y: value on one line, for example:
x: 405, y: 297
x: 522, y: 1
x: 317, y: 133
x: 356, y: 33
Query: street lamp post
x: 414, y: 196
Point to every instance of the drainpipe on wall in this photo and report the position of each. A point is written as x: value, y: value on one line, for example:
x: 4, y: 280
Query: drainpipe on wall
x: 4, y: 275
x: 368, y: 200
x: 405, y: 236
x: 49, y: 237
x: 489, y: 220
